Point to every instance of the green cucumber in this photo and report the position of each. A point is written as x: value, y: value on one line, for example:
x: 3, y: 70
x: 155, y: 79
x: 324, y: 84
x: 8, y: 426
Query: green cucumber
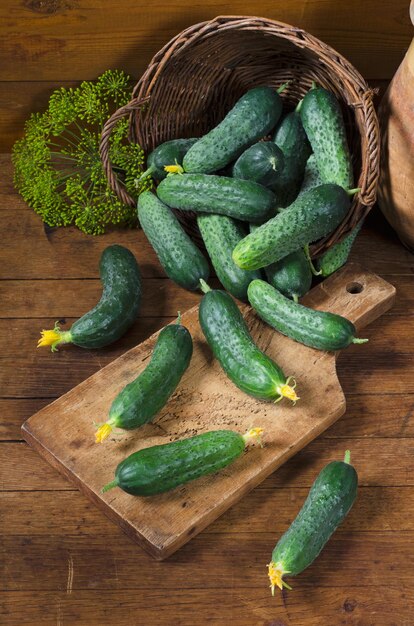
x: 160, y: 468
x: 140, y: 400
x: 324, y: 125
x: 263, y: 162
x: 311, y: 178
x: 313, y: 215
x: 115, y: 312
x: 329, y: 501
x: 317, y: 329
x: 203, y: 193
x: 249, y: 368
x: 181, y: 259
x: 291, y: 275
x: 338, y: 254
x: 220, y: 235
x: 291, y: 138
x: 251, y: 118
x: 168, y: 153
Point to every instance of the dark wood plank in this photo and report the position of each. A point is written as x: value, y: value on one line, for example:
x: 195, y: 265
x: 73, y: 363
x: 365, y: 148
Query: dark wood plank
x: 380, y: 462
x: 49, y: 513
x: 310, y: 605
x: 69, y: 41
x: 72, y: 298
x: 14, y: 412
x: 42, y: 563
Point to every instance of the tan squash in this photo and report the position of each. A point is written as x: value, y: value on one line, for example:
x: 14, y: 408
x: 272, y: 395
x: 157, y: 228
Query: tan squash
x: 396, y: 115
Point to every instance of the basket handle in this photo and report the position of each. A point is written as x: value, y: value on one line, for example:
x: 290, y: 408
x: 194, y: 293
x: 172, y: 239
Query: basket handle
x: 114, y: 182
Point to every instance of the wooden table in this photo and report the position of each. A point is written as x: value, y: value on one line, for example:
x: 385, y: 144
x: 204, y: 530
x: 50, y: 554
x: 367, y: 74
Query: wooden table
x: 64, y: 563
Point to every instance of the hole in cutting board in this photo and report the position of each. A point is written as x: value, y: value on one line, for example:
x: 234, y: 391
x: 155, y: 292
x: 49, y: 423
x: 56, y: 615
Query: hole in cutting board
x: 354, y: 288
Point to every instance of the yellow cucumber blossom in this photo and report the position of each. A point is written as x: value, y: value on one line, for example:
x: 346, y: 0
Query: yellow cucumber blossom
x: 53, y: 338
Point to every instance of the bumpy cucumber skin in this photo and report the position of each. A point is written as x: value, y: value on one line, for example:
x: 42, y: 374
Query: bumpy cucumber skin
x: 317, y: 329
x: 220, y: 235
x: 263, y: 162
x: 161, y: 468
x: 291, y: 138
x: 118, y: 307
x: 324, y: 125
x: 291, y: 275
x: 168, y: 153
x: 181, y: 259
x: 311, y: 178
x: 252, y: 117
x: 140, y: 400
x: 203, y: 193
x: 312, y: 216
x: 338, y: 254
x: 228, y: 336
x: 329, y: 501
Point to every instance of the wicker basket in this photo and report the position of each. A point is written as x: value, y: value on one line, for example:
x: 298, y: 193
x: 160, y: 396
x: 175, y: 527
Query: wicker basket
x: 197, y: 77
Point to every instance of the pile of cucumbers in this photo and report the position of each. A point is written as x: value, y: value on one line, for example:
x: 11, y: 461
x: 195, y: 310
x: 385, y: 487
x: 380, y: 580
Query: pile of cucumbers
x: 263, y: 187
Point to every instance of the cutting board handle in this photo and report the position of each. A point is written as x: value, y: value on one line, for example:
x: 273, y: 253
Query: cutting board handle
x: 354, y: 293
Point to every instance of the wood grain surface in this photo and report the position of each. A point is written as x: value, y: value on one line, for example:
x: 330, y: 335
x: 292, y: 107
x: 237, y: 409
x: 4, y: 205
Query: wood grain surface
x: 204, y: 400
x: 63, y: 562
x: 46, y: 44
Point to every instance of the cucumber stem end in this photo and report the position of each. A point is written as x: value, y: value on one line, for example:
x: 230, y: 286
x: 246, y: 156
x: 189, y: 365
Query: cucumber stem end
x: 313, y: 269
x: 54, y: 338
x: 347, y: 457
x: 147, y: 172
x: 298, y: 106
x: 358, y: 340
x: 288, y: 391
x: 174, y: 169
x: 104, y: 430
x: 276, y: 573
x: 203, y: 286
x: 253, y: 435
x: 111, y: 485
x: 282, y: 88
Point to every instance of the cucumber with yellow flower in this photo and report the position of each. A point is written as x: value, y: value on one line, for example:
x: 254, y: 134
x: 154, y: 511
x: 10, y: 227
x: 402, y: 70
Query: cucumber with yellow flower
x: 250, y: 369
x: 140, y: 400
x: 329, y: 501
x: 161, y: 468
x: 115, y: 312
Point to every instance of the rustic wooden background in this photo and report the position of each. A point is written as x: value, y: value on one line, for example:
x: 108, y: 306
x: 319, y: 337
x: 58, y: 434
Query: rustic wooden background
x: 61, y: 561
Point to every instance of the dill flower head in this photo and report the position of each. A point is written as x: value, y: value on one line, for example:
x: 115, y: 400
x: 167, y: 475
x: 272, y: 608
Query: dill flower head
x: 57, y: 167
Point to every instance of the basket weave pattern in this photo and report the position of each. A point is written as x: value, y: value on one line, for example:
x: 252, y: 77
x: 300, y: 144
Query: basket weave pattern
x: 194, y: 80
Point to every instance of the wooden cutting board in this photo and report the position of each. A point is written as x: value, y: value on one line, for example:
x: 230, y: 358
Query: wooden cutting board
x: 63, y: 432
